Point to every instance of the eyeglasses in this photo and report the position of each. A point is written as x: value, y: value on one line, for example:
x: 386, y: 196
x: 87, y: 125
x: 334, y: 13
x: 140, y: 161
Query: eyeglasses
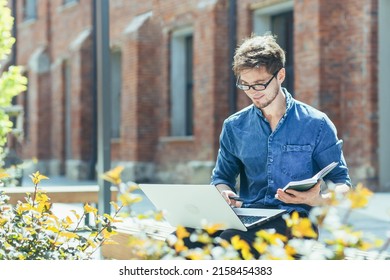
x: 256, y: 87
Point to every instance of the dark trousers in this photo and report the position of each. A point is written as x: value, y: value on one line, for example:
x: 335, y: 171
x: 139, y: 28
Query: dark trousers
x: 278, y: 224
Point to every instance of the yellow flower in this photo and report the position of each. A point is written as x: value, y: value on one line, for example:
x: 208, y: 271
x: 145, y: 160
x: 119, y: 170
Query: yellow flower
x: 213, y: 228
x: 181, y: 232
x: 43, y: 202
x: 107, y: 233
x: 290, y: 252
x: 23, y: 207
x: 3, y: 221
x: 37, y: 177
x: 204, y: 238
x: 114, y: 204
x: 260, y: 246
x: 132, y: 187
x: 304, y: 229
x: 179, y: 246
x: 159, y: 215
x: 239, y: 244
x: 90, y: 209
x: 129, y: 198
x: 300, y: 227
x: 271, y: 237
x: 359, y: 196
x: 114, y: 175
x: 195, y: 256
x: 42, y: 197
x: 75, y: 214
x: 53, y: 229
x: 66, y: 222
x: 4, y: 175
x: 68, y: 235
x: 224, y: 244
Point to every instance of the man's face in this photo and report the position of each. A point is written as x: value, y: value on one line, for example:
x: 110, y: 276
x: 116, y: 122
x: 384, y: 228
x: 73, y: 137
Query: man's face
x: 263, y: 98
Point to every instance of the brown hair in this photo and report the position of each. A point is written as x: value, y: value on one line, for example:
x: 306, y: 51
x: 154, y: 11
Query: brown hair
x: 257, y: 51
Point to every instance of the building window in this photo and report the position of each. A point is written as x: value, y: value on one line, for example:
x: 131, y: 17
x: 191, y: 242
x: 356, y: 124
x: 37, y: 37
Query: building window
x: 279, y: 20
x: 67, y: 78
x: 116, y: 87
x: 181, y: 82
x: 15, y: 115
x: 26, y: 114
x: 66, y: 2
x: 29, y: 9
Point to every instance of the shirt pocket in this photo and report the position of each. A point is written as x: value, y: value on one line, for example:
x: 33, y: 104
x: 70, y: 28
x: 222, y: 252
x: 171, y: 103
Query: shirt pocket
x: 297, y: 161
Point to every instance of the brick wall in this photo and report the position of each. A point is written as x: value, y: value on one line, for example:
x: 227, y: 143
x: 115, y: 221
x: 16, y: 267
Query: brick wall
x: 335, y: 71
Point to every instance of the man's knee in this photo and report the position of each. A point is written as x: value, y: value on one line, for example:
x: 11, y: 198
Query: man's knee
x: 229, y: 233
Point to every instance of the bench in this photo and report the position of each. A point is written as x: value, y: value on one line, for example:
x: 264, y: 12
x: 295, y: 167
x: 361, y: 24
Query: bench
x: 60, y: 194
x: 132, y: 226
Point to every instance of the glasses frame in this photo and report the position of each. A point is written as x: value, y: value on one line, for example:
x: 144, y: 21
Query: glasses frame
x: 248, y: 87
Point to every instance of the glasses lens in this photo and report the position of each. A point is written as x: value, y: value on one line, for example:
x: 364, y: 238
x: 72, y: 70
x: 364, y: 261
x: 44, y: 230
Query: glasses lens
x: 242, y: 87
x: 259, y: 87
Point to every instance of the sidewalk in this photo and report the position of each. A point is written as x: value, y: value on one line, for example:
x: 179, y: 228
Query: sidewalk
x: 375, y: 218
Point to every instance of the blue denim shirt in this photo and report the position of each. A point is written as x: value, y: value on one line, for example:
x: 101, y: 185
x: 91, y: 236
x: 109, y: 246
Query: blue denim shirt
x: 304, y: 141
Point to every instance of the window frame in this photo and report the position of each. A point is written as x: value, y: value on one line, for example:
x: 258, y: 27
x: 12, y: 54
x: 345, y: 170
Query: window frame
x: 181, y: 82
x: 30, y: 10
x: 116, y: 99
x: 263, y: 19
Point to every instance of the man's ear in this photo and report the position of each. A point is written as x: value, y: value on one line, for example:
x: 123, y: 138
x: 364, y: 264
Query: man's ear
x: 281, y: 75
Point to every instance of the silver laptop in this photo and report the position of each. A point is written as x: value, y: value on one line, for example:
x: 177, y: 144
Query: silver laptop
x: 197, y: 205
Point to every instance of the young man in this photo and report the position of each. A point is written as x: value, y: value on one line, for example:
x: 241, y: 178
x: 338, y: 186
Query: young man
x: 275, y: 140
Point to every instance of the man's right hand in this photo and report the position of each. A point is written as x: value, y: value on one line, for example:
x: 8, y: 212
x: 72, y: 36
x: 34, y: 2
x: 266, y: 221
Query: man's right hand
x: 227, y: 192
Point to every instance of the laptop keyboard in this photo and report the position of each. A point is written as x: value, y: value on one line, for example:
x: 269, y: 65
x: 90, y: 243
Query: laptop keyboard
x: 250, y: 219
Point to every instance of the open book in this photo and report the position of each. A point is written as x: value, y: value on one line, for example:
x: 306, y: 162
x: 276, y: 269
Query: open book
x: 307, y: 184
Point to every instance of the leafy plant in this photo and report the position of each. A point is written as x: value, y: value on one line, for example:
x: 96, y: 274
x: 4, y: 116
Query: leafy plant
x: 11, y: 81
x: 30, y: 230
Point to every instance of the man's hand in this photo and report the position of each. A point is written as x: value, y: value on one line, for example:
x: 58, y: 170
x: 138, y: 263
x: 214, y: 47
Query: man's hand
x: 227, y: 192
x: 310, y: 197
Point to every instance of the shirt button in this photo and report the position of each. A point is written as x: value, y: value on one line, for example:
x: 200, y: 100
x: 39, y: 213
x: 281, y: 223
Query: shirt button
x: 271, y: 160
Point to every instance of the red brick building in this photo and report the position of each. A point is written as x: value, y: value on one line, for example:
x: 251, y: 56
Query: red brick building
x: 172, y: 86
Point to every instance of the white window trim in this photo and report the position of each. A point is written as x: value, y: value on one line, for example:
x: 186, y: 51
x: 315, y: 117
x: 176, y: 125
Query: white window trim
x: 261, y: 16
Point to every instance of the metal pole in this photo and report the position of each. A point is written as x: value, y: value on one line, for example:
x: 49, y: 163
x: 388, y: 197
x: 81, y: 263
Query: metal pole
x: 101, y: 25
x: 232, y: 48
x: 14, y: 32
x: 93, y: 161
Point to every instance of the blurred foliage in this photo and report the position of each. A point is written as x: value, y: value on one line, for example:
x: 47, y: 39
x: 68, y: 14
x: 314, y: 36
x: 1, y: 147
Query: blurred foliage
x: 30, y: 230
x: 11, y: 81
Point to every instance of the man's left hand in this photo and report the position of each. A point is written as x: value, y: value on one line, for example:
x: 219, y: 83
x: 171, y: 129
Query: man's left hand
x: 310, y: 197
